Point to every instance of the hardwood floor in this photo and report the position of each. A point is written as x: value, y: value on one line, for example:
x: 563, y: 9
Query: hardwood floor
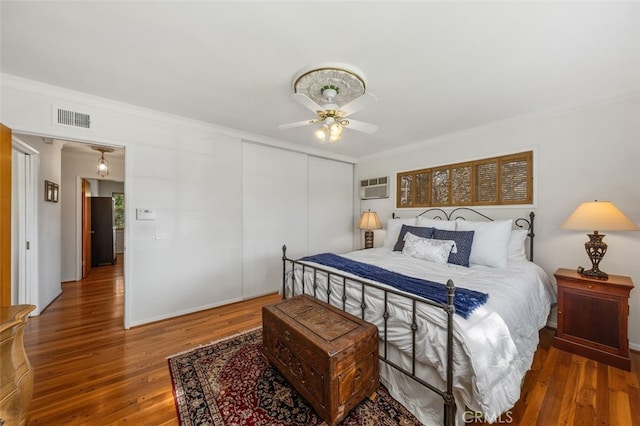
x: 566, y: 389
x: 89, y: 370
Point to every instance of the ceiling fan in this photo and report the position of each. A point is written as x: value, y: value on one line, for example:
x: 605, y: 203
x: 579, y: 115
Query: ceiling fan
x: 333, y: 92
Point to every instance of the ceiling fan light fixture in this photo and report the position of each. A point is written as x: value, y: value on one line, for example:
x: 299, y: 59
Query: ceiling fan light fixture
x: 332, y: 91
x: 322, y: 132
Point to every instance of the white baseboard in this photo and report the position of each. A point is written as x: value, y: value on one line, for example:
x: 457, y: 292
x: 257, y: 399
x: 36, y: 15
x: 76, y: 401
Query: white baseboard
x: 184, y: 312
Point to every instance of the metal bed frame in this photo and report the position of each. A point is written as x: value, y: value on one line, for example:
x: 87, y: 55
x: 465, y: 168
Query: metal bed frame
x: 288, y: 265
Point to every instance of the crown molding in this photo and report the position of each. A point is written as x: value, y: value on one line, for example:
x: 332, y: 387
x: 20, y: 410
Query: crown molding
x: 62, y: 95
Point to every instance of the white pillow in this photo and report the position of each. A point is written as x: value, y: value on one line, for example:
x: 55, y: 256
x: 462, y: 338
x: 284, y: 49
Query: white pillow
x: 490, y: 241
x: 393, y: 230
x: 428, y: 249
x: 445, y: 225
x: 516, y: 244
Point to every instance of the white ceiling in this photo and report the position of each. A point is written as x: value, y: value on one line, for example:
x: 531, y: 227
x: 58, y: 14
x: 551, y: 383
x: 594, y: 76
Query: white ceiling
x: 435, y: 67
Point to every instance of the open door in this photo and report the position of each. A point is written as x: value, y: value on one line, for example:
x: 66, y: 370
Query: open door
x: 5, y: 215
x: 86, y: 227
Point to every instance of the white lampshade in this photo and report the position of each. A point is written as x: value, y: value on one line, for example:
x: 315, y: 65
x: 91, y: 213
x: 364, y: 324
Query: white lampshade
x: 335, y: 129
x: 369, y: 220
x: 322, y: 132
x: 599, y: 216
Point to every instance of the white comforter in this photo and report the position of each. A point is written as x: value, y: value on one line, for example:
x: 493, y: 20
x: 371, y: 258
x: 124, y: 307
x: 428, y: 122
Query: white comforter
x: 493, y: 348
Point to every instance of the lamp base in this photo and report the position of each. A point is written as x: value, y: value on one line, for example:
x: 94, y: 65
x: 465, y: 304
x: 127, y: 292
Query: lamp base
x: 596, y: 249
x: 368, y: 239
x: 594, y: 273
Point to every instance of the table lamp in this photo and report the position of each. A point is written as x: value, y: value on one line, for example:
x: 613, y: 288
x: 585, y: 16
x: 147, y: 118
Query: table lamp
x: 369, y: 221
x: 597, y: 216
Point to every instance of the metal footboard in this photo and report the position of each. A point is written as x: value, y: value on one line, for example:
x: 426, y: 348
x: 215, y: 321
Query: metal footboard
x: 288, y: 275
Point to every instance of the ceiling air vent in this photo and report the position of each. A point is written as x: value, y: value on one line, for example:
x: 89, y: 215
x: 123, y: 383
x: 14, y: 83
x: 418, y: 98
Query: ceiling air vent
x: 67, y: 117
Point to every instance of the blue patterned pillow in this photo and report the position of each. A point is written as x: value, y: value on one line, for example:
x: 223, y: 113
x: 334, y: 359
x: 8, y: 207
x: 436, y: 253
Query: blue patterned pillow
x: 418, y: 231
x: 463, y: 239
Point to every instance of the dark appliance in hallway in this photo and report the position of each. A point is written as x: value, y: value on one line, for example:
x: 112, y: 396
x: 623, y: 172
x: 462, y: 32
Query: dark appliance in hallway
x: 103, y: 232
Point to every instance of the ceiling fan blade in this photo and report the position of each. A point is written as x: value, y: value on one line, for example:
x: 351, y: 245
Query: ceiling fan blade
x: 297, y: 124
x: 358, y: 103
x: 307, y: 102
x: 361, y: 126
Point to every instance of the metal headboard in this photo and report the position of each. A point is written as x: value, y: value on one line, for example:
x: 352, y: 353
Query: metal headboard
x: 459, y: 213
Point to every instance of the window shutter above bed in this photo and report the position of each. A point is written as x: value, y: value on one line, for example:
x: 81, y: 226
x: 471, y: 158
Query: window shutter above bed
x: 507, y: 179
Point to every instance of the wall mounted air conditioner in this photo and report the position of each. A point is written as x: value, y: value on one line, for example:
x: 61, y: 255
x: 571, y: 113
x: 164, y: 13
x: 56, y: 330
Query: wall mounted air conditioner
x: 374, y: 188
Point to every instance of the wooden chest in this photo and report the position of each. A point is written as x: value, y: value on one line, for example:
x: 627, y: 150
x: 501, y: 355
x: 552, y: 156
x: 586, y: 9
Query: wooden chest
x: 329, y: 356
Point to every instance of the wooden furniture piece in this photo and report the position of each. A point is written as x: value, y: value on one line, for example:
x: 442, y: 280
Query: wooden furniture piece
x: 6, y: 188
x: 329, y: 356
x: 593, y: 316
x: 16, y: 374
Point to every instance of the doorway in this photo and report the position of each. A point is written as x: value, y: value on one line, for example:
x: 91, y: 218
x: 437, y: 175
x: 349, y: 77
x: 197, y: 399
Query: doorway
x: 83, y: 182
x: 85, y: 200
x: 103, y: 222
x: 56, y: 238
x: 24, y: 257
x: 80, y: 175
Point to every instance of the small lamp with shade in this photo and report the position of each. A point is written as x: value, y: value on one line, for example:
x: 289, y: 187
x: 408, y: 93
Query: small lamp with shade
x: 369, y: 221
x: 597, y: 216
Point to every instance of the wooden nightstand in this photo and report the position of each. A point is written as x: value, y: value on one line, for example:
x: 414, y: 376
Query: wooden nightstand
x: 593, y: 316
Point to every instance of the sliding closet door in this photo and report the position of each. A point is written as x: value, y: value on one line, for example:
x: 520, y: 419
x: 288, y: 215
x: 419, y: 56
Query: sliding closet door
x: 330, y: 206
x: 274, y: 196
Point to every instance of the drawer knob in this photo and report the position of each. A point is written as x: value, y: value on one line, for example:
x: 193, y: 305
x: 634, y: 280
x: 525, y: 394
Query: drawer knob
x: 590, y: 286
x: 358, y: 374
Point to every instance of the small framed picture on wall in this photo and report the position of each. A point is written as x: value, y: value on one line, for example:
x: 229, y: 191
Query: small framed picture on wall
x: 51, y: 191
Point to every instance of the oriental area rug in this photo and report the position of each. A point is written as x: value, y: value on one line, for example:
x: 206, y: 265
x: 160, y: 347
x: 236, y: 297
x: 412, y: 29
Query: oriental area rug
x: 230, y: 383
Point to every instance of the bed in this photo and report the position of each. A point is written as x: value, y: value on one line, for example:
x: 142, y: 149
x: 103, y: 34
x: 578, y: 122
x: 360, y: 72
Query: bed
x: 447, y: 362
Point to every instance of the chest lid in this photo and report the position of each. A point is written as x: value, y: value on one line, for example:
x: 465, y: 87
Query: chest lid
x: 319, y: 319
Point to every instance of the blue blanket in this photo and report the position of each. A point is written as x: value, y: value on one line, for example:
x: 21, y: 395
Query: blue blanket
x: 465, y: 300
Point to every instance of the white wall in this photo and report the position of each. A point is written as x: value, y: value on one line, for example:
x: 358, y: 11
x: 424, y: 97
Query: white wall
x: 581, y: 155
x: 75, y: 166
x: 331, y: 214
x: 108, y: 186
x: 190, y: 257
x: 49, y: 216
x: 274, y: 198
